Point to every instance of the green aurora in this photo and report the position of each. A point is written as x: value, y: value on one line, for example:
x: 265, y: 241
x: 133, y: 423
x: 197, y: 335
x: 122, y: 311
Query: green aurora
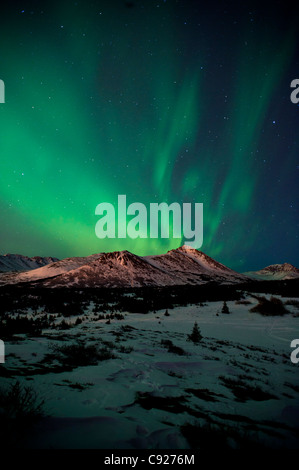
x: 162, y: 102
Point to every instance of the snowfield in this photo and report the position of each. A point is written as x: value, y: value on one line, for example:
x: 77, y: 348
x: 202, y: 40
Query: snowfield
x: 160, y: 391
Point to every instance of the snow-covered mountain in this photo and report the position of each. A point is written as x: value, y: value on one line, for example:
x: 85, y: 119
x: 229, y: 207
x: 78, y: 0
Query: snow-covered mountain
x: 182, y: 266
x: 12, y: 262
x: 53, y: 269
x: 275, y: 272
x: 116, y: 269
x: 191, y: 266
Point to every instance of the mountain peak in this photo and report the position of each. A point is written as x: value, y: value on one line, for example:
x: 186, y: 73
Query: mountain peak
x: 280, y: 267
x: 275, y: 271
x: 186, y: 248
x: 289, y: 267
x: 118, y: 255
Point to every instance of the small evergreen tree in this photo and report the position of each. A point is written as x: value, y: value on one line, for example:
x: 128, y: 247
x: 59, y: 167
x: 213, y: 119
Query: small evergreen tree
x: 225, y: 308
x: 195, y: 336
x: 166, y: 313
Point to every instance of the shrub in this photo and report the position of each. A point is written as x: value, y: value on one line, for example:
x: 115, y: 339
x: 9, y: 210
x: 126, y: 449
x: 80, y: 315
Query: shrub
x: 20, y: 402
x: 20, y: 409
x: 274, y: 306
x: 125, y: 349
x: 64, y: 325
x: 244, y: 391
x: 172, y: 348
x: 82, y: 355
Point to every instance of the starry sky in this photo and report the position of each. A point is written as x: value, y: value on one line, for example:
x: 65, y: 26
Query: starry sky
x: 163, y: 101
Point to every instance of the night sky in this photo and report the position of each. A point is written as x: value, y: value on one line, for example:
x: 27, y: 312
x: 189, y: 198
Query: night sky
x: 164, y: 101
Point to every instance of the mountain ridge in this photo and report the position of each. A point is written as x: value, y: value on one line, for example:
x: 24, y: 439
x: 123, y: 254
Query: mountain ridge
x: 181, y: 266
x: 275, y: 272
x: 15, y: 262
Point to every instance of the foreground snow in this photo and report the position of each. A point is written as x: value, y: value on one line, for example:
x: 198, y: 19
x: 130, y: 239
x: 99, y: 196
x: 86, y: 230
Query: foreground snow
x: 239, y: 375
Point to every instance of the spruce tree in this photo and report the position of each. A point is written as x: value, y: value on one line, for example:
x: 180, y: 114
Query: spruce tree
x: 225, y: 308
x: 195, y: 336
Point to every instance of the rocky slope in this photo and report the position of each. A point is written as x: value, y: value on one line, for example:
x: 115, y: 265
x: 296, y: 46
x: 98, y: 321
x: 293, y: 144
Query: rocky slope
x: 183, y: 266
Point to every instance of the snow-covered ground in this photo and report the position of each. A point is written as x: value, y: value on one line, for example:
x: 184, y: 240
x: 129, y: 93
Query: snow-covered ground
x: 239, y: 377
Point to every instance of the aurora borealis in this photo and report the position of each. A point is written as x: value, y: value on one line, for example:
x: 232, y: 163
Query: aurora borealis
x: 163, y: 101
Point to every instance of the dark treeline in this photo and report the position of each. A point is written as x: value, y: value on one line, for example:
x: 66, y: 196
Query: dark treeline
x: 286, y: 288
x: 73, y: 301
